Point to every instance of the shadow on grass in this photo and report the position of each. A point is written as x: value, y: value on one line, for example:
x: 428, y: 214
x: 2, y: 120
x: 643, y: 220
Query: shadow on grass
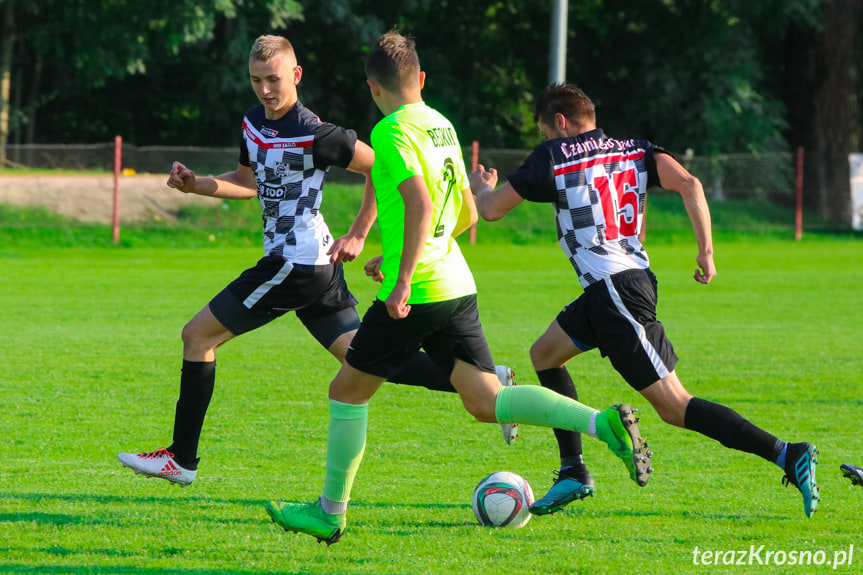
x: 65, y: 519
x: 109, y: 499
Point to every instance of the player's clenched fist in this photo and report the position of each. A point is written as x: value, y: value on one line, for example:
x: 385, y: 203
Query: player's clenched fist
x: 181, y: 178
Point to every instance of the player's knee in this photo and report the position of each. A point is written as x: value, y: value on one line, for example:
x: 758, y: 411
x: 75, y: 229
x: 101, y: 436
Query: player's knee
x: 539, y: 356
x: 671, y: 413
x: 196, y: 343
x: 188, y: 334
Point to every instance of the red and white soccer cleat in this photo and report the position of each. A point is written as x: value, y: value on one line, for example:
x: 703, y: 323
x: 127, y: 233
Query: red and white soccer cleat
x: 159, y: 463
x: 507, y: 378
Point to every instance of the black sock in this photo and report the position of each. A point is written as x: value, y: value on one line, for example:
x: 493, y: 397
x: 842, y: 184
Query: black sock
x: 730, y: 429
x: 196, y: 389
x: 568, y: 442
x: 421, y: 371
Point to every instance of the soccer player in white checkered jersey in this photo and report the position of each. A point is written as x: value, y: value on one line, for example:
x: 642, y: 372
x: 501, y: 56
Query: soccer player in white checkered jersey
x: 428, y: 299
x: 598, y: 186
x: 284, y: 157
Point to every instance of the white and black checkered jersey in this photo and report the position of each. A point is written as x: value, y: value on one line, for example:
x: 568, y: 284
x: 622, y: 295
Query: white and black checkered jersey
x: 598, y: 186
x: 290, y: 158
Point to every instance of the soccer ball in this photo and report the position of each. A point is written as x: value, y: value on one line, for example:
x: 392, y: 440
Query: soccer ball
x: 502, y: 500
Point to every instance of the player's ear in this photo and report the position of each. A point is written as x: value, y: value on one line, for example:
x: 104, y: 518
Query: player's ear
x: 560, y: 121
x: 298, y: 74
x: 374, y: 87
x: 422, y: 79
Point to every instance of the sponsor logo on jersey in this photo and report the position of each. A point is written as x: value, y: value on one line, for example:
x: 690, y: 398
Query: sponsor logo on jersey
x: 280, y: 169
x: 271, y: 192
x: 269, y: 132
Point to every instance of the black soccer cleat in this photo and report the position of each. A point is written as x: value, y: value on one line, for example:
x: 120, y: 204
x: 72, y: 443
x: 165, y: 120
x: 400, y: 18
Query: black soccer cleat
x: 852, y: 472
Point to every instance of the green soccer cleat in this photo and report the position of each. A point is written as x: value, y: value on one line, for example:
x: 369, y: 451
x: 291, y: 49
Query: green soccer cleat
x: 800, y: 464
x: 568, y: 487
x: 618, y: 427
x: 308, y: 518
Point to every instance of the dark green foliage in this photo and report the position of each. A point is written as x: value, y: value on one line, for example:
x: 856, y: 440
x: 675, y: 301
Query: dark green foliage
x: 711, y: 76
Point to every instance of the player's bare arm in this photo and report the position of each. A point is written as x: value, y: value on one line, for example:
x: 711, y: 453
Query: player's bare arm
x: 673, y: 176
x: 348, y: 247
x: 468, y: 214
x: 492, y: 204
x: 236, y: 185
x: 418, y: 217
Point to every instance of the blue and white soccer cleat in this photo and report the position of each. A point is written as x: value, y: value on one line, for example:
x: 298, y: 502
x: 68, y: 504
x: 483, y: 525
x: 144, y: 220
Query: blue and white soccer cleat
x: 568, y: 487
x: 800, y: 464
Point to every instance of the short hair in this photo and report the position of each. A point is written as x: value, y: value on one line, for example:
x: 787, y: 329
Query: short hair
x: 266, y: 48
x: 566, y: 99
x: 393, y: 61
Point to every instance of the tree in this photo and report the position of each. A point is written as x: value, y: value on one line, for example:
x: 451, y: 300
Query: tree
x: 6, y: 45
x: 837, y: 109
x: 82, y: 46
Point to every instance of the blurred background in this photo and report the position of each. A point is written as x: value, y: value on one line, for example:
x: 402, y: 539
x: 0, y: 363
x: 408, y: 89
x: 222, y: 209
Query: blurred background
x: 734, y: 88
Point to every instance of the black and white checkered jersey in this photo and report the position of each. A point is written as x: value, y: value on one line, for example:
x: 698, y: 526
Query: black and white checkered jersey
x: 598, y: 186
x: 290, y: 158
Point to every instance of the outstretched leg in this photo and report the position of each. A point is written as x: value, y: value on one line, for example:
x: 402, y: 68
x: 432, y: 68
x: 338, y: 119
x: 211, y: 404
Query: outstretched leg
x: 178, y: 463
x: 679, y: 408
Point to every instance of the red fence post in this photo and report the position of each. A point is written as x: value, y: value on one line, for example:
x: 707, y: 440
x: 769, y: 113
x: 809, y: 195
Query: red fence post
x: 474, y: 161
x: 118, y: 152
x: 798, y: 210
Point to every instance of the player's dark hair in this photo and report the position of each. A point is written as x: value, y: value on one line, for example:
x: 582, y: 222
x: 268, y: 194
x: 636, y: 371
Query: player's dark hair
x: 566, y: 99
x: 266, y: 48
x: 393, y: 61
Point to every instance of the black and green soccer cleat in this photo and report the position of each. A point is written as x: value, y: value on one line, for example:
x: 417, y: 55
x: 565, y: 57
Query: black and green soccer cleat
x: 617, y: 426
x: 852, y: 472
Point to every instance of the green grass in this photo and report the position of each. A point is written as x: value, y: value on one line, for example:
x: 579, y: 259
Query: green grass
x: 238, y: 224
x: 28, y: 171
x: 90, y: 354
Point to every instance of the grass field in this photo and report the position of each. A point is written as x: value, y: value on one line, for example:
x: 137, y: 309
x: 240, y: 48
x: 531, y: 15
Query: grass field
x: 90, y: 351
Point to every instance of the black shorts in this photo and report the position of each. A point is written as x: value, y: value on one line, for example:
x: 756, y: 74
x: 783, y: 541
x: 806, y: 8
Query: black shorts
x: 318, y: 293
x: 447, y: 331
x: 619, y: 317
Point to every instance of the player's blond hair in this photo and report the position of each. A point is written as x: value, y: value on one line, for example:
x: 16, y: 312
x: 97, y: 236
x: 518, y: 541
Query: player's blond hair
x: 268, y: 47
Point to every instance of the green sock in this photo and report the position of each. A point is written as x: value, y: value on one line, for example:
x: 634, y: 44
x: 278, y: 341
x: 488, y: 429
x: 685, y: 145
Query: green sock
x: 346, y: 443
x: 535, y: 405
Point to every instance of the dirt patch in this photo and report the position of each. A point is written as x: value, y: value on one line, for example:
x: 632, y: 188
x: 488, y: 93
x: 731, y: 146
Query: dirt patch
x: 89, y: 198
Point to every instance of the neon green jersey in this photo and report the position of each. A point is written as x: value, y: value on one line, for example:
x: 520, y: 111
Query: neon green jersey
x: 416, y: 140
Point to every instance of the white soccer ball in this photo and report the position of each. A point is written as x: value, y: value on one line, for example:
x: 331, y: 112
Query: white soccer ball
x: 502, y: 500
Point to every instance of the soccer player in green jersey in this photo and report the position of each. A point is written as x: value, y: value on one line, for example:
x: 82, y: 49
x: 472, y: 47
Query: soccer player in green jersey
x: 428, y: 299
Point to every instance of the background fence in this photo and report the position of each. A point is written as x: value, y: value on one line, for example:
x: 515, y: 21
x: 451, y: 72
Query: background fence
x: 729, y: 176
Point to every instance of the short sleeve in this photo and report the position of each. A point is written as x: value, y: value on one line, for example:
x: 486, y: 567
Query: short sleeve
x: 333, y: 146
x: 395, y: 153
x: 534, y: 180
x: 244, y: 154
x: 650, y: 163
